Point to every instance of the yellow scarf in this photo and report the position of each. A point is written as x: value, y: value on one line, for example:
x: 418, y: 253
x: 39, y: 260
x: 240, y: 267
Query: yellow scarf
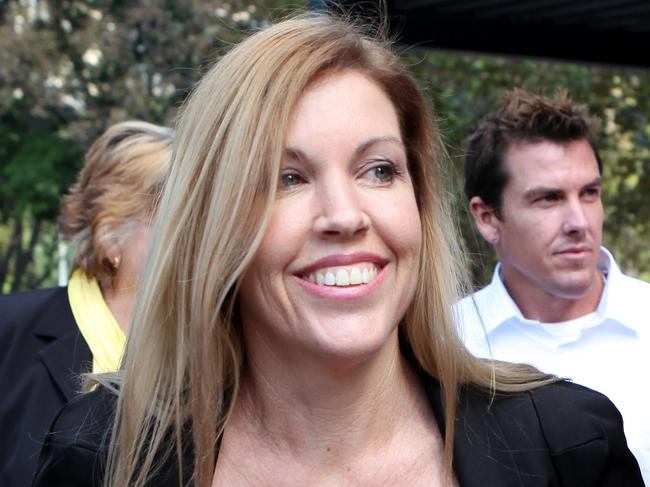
x: 96, y: 322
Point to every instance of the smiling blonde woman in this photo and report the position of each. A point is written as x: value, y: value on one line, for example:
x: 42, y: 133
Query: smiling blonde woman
x: 295, y: 324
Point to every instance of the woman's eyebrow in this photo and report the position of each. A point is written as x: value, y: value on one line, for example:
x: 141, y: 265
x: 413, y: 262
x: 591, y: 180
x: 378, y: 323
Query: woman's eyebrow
x: 382, y: 138
x: 294, y: 153
x: 299, y: 155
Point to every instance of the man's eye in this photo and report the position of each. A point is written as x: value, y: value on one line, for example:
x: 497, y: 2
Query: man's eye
x: 549, y: 197
x: 291, y: 179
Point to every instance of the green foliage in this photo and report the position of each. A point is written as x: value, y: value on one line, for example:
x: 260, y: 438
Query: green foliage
x: 36, y: 164
x: 34, y: 177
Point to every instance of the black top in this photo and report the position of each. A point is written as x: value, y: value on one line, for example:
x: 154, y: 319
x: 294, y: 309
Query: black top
x: 42, y: 354
x: 561, y: 434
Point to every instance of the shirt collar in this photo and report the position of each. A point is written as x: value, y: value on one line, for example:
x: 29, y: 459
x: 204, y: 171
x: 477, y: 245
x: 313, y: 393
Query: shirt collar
x: 495, y: 304
x: 614, y: 302
x: 618, y: 302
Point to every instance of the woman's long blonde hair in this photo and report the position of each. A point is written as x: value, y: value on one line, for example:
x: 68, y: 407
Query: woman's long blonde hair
x: 184, y: 357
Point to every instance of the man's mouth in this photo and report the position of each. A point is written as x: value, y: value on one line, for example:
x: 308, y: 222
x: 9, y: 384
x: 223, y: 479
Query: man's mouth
x: 575, y: 250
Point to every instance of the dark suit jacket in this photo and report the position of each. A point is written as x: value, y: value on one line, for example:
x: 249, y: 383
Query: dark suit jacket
x: 558, y: 435
x: 41, y: 354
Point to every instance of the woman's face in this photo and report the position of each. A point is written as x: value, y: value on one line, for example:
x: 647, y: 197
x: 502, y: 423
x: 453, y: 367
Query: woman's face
x: 338, y: 265
x: 134, y: 250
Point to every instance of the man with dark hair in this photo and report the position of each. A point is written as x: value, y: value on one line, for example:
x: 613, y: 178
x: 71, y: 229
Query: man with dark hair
x: 557, y: 299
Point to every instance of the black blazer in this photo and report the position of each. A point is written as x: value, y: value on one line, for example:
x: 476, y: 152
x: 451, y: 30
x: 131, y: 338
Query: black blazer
x: 562, y: 434
x: 41, y: 354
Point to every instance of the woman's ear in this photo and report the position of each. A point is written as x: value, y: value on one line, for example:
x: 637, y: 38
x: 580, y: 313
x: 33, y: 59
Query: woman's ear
x: 486, y: 219
x: 114, y: 256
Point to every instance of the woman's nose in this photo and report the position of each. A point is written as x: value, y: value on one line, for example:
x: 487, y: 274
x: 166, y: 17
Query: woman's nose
x: 340, y: 211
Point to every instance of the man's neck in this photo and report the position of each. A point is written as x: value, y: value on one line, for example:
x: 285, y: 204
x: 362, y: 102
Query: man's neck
x: 538, y: 304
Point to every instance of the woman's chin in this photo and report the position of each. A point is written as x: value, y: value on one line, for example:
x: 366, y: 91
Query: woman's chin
x: 352, y: 347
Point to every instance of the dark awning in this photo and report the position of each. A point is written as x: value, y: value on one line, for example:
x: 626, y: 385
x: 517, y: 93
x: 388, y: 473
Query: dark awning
x: 601, y: 31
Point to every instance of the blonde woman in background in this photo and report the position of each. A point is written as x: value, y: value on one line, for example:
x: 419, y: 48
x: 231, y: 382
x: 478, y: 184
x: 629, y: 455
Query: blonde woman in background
x: 295, y: 324
x: 50, y: 336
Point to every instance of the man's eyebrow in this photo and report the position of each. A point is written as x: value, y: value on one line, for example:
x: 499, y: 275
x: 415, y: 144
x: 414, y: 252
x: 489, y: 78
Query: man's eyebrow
x: 542, y: 190
x: 596, y: 182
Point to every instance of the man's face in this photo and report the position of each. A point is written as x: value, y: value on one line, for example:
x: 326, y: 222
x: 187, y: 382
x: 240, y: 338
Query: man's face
x: 549, y: 234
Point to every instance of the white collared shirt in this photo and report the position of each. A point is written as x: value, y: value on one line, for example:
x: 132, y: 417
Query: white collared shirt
x: 607, y: 350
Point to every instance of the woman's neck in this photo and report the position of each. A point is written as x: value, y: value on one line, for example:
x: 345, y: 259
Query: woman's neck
x: 328, y: 421
x: 332, y: 405
x: 119, y: 296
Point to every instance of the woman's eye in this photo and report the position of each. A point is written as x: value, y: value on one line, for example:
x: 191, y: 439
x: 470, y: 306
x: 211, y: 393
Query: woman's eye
x: 291, y: 179
x: 383, y: 173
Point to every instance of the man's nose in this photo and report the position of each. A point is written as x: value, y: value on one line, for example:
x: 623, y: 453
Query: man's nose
x: 575, y: 218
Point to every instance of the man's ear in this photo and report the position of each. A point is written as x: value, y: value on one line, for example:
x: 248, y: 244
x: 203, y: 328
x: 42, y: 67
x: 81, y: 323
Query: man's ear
x: 486, y: 219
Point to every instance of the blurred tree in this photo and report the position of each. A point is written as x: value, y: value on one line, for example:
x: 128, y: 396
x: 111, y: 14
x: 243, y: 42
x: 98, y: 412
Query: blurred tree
x: 70, y: 68
x: 36, y: 165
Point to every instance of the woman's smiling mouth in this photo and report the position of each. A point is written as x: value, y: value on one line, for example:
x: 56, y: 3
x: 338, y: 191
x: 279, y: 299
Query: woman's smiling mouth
x: 352, y: 275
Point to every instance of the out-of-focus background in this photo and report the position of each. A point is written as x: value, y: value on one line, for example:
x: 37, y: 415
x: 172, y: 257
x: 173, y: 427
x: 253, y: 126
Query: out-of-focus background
x: 70, y: 68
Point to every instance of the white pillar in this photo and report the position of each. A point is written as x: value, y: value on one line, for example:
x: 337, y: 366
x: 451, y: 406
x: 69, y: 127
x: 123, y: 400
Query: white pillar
x: 63, y: 262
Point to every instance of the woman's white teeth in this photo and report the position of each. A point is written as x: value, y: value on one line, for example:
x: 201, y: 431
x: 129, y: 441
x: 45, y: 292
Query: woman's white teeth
x: 344, y: 276
x: 355, y: 276
x: 330, y: 279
